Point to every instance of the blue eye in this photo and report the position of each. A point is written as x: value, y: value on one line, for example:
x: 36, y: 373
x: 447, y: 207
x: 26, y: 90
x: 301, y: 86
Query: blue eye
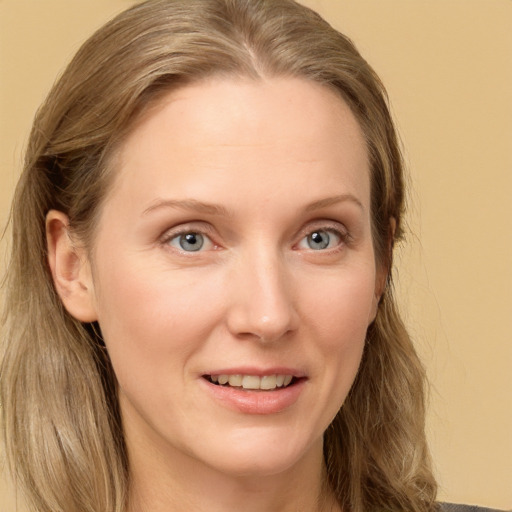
x: 320, y: 239
x: 189, y: 242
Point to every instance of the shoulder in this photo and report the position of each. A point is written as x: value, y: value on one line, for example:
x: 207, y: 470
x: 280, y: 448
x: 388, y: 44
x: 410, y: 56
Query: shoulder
x: 453, y: 507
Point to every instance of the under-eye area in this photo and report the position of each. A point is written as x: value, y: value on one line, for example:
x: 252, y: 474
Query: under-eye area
x: 253, y: 382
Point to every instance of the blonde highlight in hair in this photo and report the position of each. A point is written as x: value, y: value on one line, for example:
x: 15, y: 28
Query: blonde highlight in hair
x: 61, y: 420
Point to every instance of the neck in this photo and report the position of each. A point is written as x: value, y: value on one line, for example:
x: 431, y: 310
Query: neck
x: 168, y: 484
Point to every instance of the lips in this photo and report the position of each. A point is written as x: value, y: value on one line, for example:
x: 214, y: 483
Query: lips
x: 253, y: 390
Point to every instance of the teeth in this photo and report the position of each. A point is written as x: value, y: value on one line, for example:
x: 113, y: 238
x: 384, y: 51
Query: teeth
x: 235, y: 380
x: 251, y: 382
x: 267, y: 382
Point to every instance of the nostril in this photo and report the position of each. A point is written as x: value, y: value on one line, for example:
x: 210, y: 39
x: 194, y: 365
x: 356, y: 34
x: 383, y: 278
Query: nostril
x: 264, y: 308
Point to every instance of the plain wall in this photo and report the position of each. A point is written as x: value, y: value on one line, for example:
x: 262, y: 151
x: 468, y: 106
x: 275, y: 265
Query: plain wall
x: 447, y: 65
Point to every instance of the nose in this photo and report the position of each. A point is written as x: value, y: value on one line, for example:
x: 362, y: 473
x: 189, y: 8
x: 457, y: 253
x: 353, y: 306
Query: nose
x: 262, y: 304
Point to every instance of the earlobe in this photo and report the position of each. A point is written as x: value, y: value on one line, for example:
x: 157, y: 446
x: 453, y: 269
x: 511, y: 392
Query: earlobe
x: 70, y: 269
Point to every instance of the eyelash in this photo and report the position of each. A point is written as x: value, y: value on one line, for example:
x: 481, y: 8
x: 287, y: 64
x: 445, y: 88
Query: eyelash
x: 332, y: 227
x: 342, y: 235
x: 169, y: 236
x: 341, y: 239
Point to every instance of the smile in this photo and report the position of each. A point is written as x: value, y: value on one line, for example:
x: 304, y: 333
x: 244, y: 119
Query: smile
x: 255, y: 392
x: 252, y: 382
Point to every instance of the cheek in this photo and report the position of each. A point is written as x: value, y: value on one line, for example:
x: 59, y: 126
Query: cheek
x: 340, y: 311
x: 151, y: 315
x: 341, y: 304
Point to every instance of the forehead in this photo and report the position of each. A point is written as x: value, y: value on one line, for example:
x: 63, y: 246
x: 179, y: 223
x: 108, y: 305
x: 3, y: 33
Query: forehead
x: 254, y: 130
x: 217, y: 102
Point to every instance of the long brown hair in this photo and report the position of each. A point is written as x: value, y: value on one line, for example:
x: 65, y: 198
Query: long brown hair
x: 61, y: 422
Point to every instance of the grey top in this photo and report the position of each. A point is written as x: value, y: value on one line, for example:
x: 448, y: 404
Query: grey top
x: 453, y: 507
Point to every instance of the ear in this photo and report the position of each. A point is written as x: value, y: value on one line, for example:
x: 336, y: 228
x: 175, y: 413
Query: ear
x: 70, y: 269
x: 384, y: 268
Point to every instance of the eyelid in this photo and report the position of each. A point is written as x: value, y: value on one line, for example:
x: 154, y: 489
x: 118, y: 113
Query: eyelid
x: 209, y: 232
x: 199, y: 227
x: 325, y: 225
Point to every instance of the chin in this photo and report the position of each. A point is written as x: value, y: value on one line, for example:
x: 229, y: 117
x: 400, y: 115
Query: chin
x: 264, y: 455
x: 265, y: 465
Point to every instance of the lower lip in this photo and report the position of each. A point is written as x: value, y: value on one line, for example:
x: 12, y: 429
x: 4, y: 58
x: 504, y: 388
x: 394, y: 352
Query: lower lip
x: 256, y: 401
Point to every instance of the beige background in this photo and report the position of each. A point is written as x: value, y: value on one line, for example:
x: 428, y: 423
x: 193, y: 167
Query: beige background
x: 447, y: 65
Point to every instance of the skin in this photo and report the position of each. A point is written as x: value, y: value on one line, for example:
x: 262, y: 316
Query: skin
x: 281, y: 159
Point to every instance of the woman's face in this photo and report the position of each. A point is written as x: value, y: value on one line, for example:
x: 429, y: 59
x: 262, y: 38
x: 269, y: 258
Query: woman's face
x: 236, y: 246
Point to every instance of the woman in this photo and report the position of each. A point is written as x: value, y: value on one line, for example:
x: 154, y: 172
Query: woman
x: 199, y: 304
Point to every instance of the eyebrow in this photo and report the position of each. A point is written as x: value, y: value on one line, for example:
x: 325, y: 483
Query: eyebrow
x: 216, y: 209
x: 188, y: 204
x: 330, y: 201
